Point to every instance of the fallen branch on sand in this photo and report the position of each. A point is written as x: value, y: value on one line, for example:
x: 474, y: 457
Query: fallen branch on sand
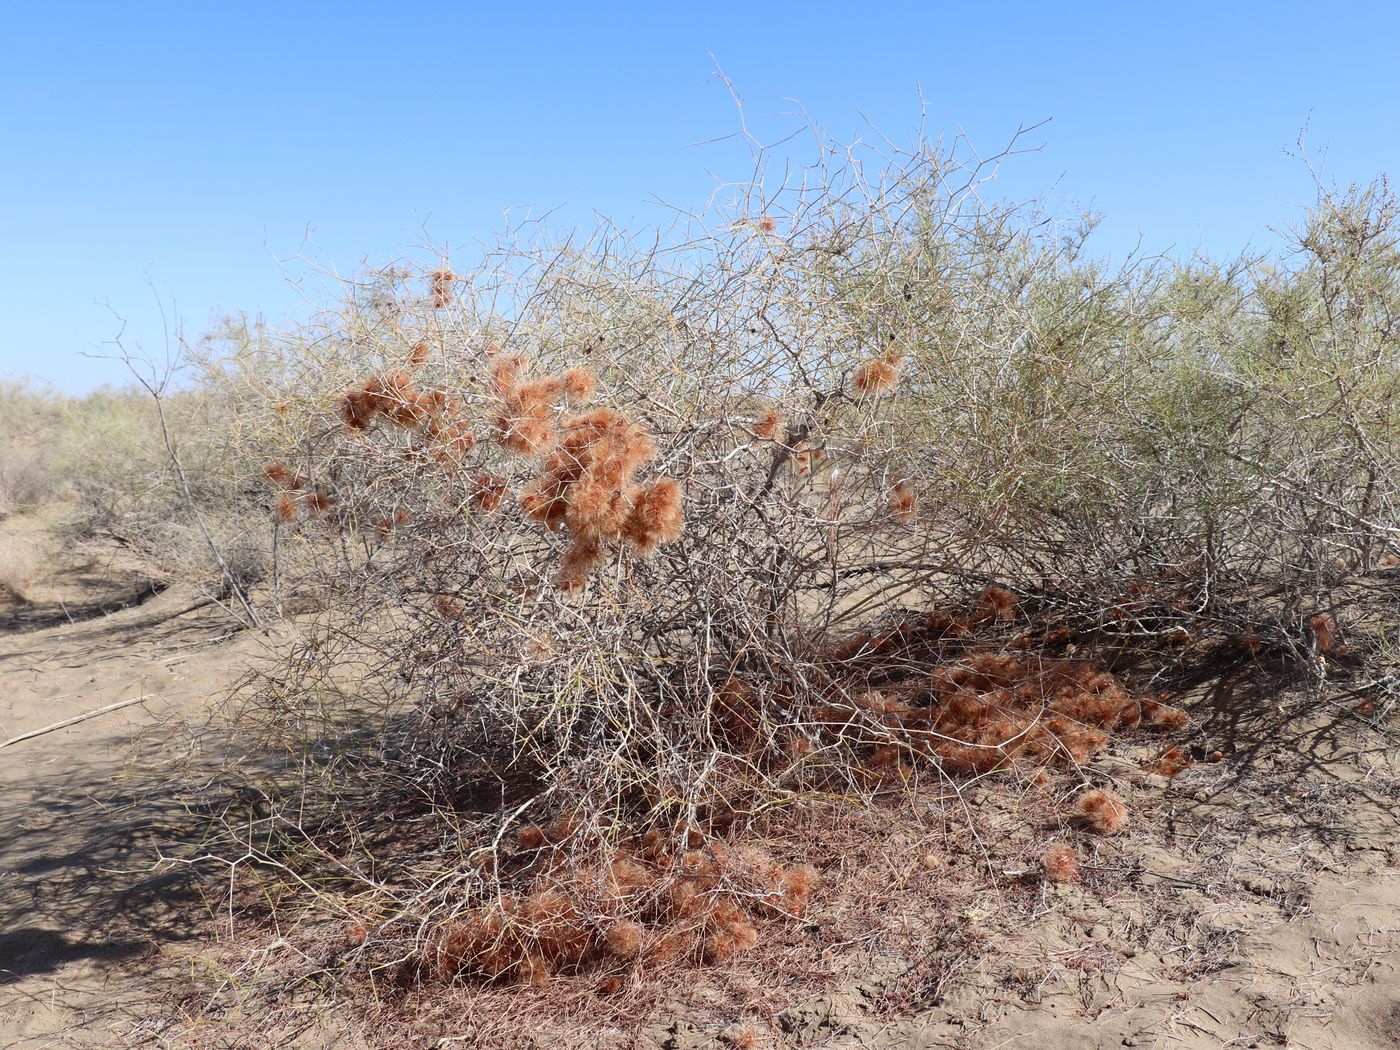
x: 75, y: 719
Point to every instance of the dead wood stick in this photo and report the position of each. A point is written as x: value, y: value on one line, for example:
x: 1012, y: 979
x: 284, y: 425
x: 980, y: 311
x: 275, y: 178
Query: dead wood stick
x: 76, y: 719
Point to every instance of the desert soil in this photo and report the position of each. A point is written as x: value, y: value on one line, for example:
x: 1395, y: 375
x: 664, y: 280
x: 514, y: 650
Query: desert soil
x: 1255, y: 902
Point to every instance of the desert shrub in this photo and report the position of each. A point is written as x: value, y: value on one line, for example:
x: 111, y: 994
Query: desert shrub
x: 624, y: 537
x: 28, y: 420
x: 158, y: 476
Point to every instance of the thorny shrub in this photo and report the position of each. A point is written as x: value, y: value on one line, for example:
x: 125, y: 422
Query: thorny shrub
x: 864, y: 483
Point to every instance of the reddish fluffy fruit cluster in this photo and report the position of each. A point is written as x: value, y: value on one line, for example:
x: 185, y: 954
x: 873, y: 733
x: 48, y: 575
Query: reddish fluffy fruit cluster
x: 766, y: 426
x: 1060, y: 863
x: 296, y: 493
x: 435, y: 416
x: 1101, y: 811
x: 904, y: 504
x: 526, y: 423
x: 878, y: 375
x: 587, y: 487
x: 393, y: 397
x: 440, y: 284
x: 678, y: 897
x: 1169, y: 763
x: 925, y: 691
x: 1324, y: 631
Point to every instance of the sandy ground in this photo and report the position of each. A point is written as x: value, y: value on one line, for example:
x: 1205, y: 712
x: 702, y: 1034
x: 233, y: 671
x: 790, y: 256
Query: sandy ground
x: 83, y: 901
x: 1255, y: 903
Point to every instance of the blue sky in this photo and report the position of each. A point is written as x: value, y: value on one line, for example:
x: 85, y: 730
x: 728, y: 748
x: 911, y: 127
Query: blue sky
x: 171, y: 154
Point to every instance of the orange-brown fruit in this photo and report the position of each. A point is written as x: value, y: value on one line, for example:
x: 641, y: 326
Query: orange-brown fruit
x: 357, y: 410
x: 506, y: 370
x: 579, y: 385
x: 875, y: 376
x: 580, y: 559
x: 1160, y: 716
x: 531, y: 836
x: 318, y: 502
x: 904, y: 503
x: 536, y: 393
x: 732, y: 933
x: 488, y: 490
x: 530, y: 435
x: 657, y: 516
x: 624, y: 938
x: 1169, y: 763
x: 996, y: 602
x: 285, y: 509
x: 1060, y: 863
x: 419, y: 354
x: 627, y: 878
x: 796, y: 887
x: 441, y: 284
x: 1102, y: 811
x: 765, y: 427
x: 1324, y: 631
x: 278, y: 473
x: 685, y: 897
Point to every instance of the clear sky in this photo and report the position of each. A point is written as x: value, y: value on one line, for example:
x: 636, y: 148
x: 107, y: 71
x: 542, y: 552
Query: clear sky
x: 174, y: 153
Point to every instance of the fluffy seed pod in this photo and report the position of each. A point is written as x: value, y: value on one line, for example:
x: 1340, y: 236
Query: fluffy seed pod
x: 488, y: 490
x: 996, y: 603
x: 1102, y: 811
x: 1160, y: 716
x: 876, y: 376
x: 765, y: 428
x: 582, y: 557
x: 440, y: 282
x: 1060, y: 863
x: 656, y: 518
x: 625, y: 938
x: 1324, y: 631
x: 357, y: 410
x: 904, y: 504
x: 579, y: 385
x: 1169, y: 763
